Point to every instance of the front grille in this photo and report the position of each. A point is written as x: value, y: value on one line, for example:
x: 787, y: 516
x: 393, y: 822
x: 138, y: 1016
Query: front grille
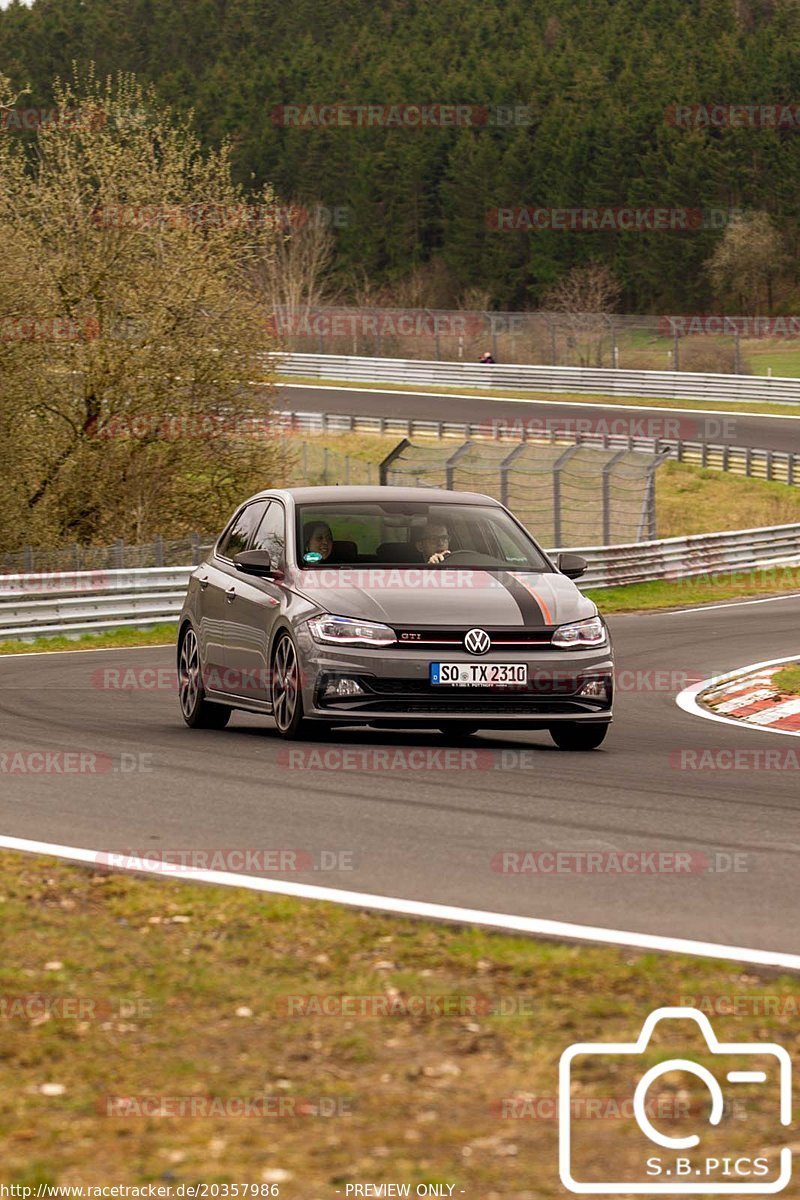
x: 512, y: 640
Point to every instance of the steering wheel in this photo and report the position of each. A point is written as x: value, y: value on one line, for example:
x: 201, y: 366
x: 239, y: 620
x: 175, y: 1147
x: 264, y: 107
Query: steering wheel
x: 470, y: 557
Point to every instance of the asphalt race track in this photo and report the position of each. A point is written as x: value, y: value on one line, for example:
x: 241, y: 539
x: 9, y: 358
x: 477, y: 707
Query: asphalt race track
x: 434, y: 834
x: 767, y: 432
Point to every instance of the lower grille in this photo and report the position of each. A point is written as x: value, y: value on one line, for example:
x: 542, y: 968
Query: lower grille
x: 421, y: 687
x: 500, y: 708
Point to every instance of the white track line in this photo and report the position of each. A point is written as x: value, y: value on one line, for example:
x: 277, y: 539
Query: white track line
x: 435, y: 912
x: 602, y: 401
x: 88, y: 650
x: 687, y: 699
x: 701, y: 608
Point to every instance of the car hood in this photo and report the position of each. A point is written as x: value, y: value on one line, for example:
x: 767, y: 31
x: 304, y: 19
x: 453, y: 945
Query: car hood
x: 416, y: 596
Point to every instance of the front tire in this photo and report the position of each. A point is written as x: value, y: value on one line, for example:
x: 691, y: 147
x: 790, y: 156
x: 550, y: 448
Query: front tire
x: 197, y: 712
x: 575, y: 736
x: 287, y: 696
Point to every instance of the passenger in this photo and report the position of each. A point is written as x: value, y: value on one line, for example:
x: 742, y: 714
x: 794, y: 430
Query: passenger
x: 318, y: 539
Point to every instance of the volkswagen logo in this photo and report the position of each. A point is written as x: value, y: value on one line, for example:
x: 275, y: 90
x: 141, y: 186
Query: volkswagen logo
x: 477, y: 641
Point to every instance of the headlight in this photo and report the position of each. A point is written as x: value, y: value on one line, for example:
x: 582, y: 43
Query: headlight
x: 344, y: 631
x: 580, y: 634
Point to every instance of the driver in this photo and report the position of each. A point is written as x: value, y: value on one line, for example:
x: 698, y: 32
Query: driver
x: 433, y: 542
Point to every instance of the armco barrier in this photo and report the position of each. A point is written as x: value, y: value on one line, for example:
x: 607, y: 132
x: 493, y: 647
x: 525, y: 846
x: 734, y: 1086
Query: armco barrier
x: 598, y: 381
x: 90, y: 602
x: 76, y: 602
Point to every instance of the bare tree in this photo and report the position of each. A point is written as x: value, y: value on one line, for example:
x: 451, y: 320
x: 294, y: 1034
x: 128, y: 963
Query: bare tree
x: 747, y: 259
x: 293, y: 276
x: 475, y: 299
x: 584, y: 300
x: 426, y: 285
x: 127, y: 325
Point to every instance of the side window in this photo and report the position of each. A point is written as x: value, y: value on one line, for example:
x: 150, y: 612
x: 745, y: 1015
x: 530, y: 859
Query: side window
x: 241, y: 531
x: 271, y: 534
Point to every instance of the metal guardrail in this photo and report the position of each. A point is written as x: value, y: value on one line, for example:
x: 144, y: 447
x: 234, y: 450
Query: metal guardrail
x: 778, y: 465
x: 75, y: 602
x: 94, y: 601
x: 598, y: 381
x: 687, y: 558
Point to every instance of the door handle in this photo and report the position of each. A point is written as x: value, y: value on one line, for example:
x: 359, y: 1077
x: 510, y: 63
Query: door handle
x: 230, y: 595
x: 204, y: 583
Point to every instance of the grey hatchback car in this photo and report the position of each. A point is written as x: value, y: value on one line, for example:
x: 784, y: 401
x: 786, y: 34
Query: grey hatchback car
x: 392, y: 607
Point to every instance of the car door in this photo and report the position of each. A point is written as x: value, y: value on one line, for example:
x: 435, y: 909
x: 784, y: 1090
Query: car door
x: 219, y: 597
x: 256, y: 605
x: 214, y: 580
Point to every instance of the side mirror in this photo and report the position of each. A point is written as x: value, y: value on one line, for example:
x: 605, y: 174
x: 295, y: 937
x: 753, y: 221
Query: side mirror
x: 571, y: 565
x: 257, y: 562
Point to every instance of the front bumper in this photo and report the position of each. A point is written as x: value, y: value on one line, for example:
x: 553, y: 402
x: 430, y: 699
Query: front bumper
x: 397, y: 691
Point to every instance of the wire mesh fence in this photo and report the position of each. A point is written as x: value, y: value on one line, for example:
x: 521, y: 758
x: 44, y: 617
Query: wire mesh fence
x: 314, y: 465
x: 159, y: 552
x: 573, y: 496
x: 725, y: 345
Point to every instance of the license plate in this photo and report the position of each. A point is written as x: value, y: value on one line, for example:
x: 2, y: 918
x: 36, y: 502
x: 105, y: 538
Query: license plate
x: 478, y: 674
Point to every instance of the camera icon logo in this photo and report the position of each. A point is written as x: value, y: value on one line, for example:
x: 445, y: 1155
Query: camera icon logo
x: 658, y: 1147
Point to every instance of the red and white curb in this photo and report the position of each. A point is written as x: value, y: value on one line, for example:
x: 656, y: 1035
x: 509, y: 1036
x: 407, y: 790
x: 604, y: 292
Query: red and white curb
x: 747, y: 696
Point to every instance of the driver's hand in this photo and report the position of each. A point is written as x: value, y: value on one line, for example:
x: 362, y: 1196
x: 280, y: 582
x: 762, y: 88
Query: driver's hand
x: 437, y: 558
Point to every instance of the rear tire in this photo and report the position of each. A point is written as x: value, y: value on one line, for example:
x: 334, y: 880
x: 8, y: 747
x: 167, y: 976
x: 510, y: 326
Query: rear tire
x: 455, y: 729
x: 197, y: 712
x: 287, y: 695
x: 575, y: 736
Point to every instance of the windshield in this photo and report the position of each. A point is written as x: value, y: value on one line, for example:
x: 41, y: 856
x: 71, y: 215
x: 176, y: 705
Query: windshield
x: 432, y: 534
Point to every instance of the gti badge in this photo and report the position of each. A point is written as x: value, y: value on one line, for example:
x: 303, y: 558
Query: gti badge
x: 477, y: 641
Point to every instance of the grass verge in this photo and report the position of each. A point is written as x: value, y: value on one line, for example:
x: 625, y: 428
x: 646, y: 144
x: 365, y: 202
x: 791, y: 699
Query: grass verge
x: 788, y: 679
x: 110, y: 640
x: 701, y: 589
x: 182, y: 990
x: 693, y: 499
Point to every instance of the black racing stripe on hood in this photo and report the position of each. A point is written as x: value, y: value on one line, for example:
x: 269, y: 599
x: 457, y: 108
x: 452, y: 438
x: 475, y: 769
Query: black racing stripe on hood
x: 529, y: 609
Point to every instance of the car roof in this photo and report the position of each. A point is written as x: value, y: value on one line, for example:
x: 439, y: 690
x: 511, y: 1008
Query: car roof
x: 346, y: 493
